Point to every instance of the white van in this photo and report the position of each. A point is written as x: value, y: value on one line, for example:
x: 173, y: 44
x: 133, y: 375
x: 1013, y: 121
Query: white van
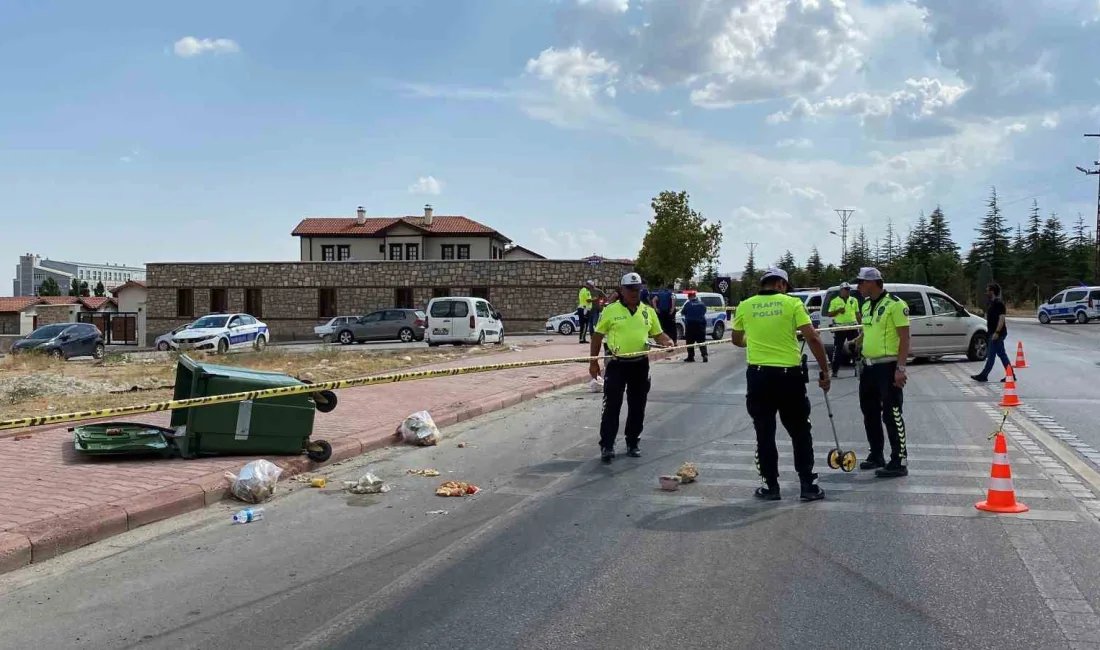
x: 939, y: 326
x: 716, y: 320
x: 460, y: 320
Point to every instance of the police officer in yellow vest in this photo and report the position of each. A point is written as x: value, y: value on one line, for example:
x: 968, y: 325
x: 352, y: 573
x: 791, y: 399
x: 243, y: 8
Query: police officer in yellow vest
x: 584, y: 308
x: 765, y: 324
x: 885, y: 341
x: 844, y: 310
x: 627, y: 325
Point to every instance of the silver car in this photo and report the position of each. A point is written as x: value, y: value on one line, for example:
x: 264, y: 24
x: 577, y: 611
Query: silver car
x: 406, y: 325
x: 164, y: 341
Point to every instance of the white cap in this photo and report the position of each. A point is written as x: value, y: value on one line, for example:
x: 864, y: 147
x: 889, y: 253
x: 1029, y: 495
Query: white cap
x: 869, y: 273
x: 845, y: 285
x: 591, y: 282
x: 631, y: 280
x: 775, y: 273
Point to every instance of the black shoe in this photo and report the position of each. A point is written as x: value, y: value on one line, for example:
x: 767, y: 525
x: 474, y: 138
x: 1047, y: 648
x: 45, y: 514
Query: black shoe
x: 874, y: 461
x: 582, y: 341
x: 706, y: 359
x: 1003, y: 379
x: 633, y: 452
x: 769, y: 492
x: 607, y: 454
x: 979, y: 378
x: 689, y: 360
x: 811, y: 491
x: 895, y: 469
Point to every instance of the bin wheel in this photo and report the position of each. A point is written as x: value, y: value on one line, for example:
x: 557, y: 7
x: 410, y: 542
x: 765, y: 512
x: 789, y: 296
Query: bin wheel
x: 318, y: 451
x: 325, y: 401
x: 834, y: 459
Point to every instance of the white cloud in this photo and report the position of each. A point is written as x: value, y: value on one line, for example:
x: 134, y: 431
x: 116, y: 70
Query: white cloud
x: 573, y: 72
x: 1016, y: 127
x: 796, y: 143
x: 570, y: 244
x: 189, y: 46
x: 1050, y: 121
x: 895, y: 191
x: 607, y: 6
x: 426, y: 185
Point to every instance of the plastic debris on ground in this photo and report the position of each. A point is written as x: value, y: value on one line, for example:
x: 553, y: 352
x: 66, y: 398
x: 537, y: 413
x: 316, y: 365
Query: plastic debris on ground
x: 422, y: 472
x: 248, y: 515
x: 670, y: 483
x: 456, y: 489
x: 318, y: 482
x: 367, y: 484
x: 436, y: 512
x: 256, y: 481
x: 595, y: 385
x: 462, y: 445
x: 419, y: 429
x: 688, y: 472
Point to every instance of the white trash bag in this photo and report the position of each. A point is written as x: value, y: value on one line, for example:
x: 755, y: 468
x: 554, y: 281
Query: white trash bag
x: 256, y: 481
x: 419, y: 429
x: 595, y: 385
x: 367, y: 484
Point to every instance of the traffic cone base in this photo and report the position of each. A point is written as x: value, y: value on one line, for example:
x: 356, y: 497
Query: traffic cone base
x: 1001, y: 495
x: 1010, y: 397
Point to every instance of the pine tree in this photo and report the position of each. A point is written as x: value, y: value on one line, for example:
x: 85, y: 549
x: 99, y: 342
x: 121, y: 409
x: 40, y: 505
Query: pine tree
x: 1081, y: 252
x: 1051, y: 269
x: 750, y: 281
x: 1020, y: 288
x: 49, y: 287
x: 916, y: 248
x: 992, y: 244
x: 787, y: 263
x: 859, y: 254
x: 100, y: 290
x: 814, y: 269
x: 74, y: 287
x: 889, y: 249
x: 938, y: 234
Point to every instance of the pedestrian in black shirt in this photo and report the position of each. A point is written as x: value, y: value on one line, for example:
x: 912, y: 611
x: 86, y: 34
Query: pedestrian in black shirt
x: 997, y: 328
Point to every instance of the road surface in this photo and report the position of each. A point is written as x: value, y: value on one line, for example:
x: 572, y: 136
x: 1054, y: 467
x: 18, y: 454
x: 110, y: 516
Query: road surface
x: 561, y: 552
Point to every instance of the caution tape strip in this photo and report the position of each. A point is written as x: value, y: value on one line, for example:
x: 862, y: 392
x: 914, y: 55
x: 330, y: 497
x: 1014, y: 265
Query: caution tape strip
x: 284, y: 391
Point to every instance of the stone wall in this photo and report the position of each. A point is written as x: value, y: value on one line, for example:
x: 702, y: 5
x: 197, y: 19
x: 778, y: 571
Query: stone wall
x: 50, y: 314
x: 10, y: 322
x: 526, y: 292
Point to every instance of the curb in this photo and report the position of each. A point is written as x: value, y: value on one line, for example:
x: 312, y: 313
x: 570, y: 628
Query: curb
x: 42, y: 540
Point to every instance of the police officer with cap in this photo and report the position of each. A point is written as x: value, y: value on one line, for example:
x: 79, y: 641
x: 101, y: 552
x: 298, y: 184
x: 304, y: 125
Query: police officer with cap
x: 844, y: 310
x: 765, y: 324
x: 885, y: 341
x: 627, y: 325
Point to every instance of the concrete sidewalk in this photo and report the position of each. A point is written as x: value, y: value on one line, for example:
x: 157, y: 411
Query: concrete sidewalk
x: 53, y: 501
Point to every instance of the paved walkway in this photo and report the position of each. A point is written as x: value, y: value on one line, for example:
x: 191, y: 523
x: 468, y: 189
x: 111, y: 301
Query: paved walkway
x: 52, y: 500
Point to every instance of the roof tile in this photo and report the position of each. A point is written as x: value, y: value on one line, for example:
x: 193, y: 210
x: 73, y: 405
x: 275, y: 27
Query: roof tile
x: 347, y: 226
x: 17, y: 304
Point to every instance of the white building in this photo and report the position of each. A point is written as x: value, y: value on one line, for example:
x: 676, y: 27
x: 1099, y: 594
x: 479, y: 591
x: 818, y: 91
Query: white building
x: 32, y: 270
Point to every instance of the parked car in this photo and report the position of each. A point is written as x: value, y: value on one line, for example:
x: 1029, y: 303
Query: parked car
x: 63, y: 341
x: 327, y: 332
x: 461, y: 320
x: 565, y: 324
x: 1073, y: 305
x: 406, y: 325
x: 164, y: 341
x: 223, y: 333
x: 814, y: 300
x: 939, y: 326
x: 716, y: 320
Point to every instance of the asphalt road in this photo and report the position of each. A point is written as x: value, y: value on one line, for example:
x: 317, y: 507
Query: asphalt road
x: 561, y: 552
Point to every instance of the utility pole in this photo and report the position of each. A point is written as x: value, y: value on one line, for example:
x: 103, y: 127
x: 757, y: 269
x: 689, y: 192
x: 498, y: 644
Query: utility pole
x: 1095, y: 172
x: 845, y: 215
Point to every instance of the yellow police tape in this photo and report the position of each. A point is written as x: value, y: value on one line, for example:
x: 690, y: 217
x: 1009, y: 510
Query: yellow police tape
x: 283, y: 391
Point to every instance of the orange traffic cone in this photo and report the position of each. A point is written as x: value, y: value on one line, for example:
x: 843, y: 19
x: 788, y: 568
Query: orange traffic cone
x: 1001, y: 496
x: 1010, y: 397
x: 1021, y: 362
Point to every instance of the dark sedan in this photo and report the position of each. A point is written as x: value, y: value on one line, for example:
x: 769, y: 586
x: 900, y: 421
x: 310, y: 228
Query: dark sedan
x: 63, y: 341
x: 406, y: 325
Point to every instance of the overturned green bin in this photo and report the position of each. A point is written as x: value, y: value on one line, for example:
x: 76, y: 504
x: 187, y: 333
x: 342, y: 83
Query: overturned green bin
x: 274, y: 425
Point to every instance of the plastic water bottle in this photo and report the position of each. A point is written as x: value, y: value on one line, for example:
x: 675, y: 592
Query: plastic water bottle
x: 248, y: 515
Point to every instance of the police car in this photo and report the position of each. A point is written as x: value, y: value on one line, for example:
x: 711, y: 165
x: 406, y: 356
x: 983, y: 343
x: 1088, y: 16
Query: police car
x: 1073, y: 305
x: 223, y: 333
x: 813, y: 299
x: 716, y: 320
x: 563, y: 324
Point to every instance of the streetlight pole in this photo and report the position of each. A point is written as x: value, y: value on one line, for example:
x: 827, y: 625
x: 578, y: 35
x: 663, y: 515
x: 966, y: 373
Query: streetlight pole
x: 1095, y: 172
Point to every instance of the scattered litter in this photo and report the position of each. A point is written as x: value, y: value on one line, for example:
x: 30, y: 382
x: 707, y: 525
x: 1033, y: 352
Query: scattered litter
x: 670, y: 483
x: 319, y: 482
x: 248, y: 515
x: 456, y: 489
x: 436, y: 512
x: 688, y: 472
x: 516, y: 348
x: 21, y: 438
x: 301, y: 478
x: 595, y: 385
x: 422, y: 472
x: 256, y: 481
x: 463, y: 445
x: 406, y: 358
x: 367, y: 484
x: 419, y: 429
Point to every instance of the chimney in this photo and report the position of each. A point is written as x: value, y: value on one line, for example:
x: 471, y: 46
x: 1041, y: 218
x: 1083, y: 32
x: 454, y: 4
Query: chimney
x: 428, y: 215
x: 360, y: 216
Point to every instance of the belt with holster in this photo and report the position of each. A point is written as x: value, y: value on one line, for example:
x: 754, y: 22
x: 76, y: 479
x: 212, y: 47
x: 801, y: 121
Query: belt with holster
x: 879, y: 360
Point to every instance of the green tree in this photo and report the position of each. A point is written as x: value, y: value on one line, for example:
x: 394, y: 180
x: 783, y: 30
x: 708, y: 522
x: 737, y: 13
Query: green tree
x: 750, y: 278
x: 888, y: 252
x: 84, y: 291
x: 100, y: 290
x: 1081, y: 252
x: 985, y: 277
x: 937, y: 234
x: 74, y: 287
x: 920, y: 275
x: 49, y: 287
x: 787, y: 263
x: 992, y: 244
x: 1051, y: 268
x: 678, y: 242
x: 859, y: 254
x: 814, y: 268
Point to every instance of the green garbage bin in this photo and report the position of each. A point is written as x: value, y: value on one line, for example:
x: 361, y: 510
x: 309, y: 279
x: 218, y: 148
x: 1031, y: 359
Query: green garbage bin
x: 276, y: 425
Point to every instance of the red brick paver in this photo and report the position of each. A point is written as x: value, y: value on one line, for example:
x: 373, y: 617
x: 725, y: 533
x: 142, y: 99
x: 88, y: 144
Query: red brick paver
x: 52, y: 500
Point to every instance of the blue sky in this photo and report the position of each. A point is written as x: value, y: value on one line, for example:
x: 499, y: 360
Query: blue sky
x: 141, y: 132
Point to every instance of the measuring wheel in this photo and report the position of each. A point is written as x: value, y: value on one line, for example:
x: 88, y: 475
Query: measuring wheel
x: 847, y: 461
x: 834, y: 459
